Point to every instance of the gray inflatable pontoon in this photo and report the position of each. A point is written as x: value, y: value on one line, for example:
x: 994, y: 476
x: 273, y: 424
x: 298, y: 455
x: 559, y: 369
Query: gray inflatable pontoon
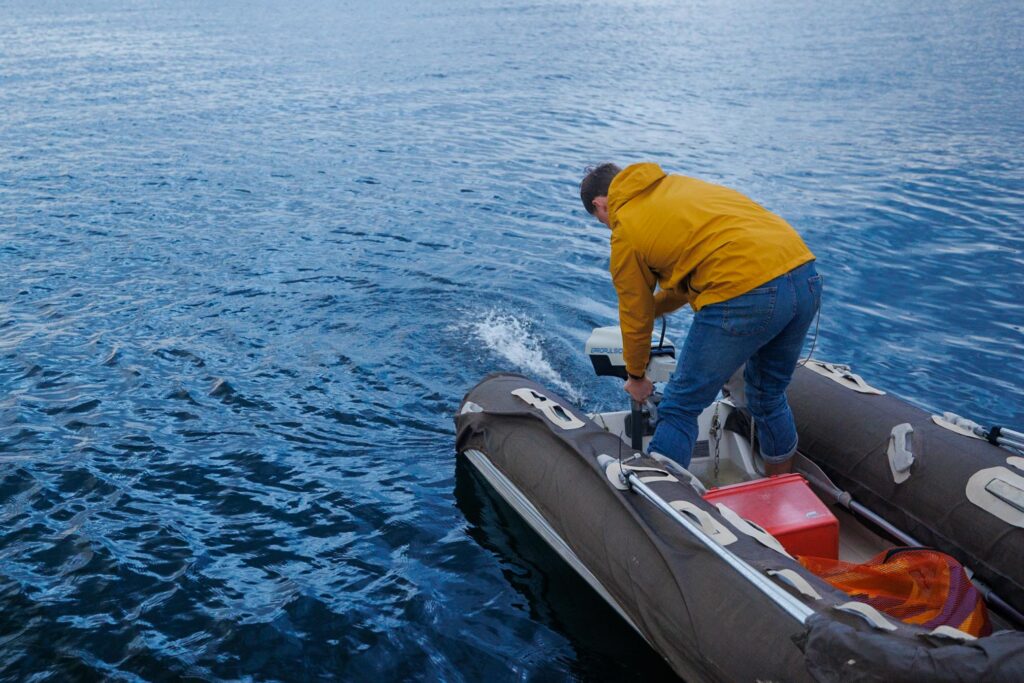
x: 720, y: 599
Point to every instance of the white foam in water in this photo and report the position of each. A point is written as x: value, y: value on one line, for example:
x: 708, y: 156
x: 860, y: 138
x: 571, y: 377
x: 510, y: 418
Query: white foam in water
x: 510, y: 337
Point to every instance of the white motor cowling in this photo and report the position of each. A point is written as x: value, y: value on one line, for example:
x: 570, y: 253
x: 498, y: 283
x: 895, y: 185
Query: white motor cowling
x: 604, y: 347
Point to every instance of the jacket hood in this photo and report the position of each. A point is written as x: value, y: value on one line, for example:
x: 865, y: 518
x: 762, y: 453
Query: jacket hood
x: 630, y: 182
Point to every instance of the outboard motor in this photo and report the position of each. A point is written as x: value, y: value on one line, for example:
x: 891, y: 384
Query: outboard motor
x: 605, y: 350
x: 604, y: 347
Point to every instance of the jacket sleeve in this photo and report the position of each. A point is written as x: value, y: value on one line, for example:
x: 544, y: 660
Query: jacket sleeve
x: 668, y: 300
x: 634, y: 283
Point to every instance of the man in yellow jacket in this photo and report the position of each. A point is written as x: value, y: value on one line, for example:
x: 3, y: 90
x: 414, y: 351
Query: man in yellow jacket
x: 746, y: 273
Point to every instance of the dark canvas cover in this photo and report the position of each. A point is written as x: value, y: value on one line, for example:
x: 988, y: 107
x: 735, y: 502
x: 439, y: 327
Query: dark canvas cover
x: 703, y: 617
x: 835, y: 652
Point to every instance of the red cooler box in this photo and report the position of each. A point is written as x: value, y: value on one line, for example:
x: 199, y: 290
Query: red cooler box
x: 786, y: 507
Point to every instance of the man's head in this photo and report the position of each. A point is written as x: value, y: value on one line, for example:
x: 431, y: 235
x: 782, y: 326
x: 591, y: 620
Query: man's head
x: 594, y: 190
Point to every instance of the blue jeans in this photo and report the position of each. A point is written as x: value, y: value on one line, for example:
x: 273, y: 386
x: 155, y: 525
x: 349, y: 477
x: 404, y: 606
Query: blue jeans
x: 764, y: 328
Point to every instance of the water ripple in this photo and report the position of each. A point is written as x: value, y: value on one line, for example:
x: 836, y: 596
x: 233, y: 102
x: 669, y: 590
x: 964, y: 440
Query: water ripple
x: 254, y: 256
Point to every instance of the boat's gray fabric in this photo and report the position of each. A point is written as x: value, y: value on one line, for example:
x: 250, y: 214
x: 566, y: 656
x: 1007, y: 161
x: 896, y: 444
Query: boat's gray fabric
x: 706, y: 620
x: 835, y: 652
x: 847, y: 434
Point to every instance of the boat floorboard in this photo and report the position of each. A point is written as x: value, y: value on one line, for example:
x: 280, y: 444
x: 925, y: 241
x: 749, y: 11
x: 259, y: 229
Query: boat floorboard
x: 857, y: 543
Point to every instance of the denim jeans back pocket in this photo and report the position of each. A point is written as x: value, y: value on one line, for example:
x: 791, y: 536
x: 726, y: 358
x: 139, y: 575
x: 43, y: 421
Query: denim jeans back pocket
x: 749, y: 313
x: 814, y: 284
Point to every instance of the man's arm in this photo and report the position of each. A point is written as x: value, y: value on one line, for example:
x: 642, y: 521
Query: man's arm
x: 634, y: 283
x: 668, y: 300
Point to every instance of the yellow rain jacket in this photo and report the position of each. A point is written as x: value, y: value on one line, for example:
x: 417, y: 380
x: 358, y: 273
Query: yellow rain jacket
x: 700, y: 243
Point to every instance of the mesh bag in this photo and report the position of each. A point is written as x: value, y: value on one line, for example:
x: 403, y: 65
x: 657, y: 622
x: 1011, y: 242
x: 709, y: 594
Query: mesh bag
x: 915, y: 585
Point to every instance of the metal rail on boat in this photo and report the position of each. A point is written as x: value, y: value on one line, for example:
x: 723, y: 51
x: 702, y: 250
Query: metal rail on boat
x: 787, y: 602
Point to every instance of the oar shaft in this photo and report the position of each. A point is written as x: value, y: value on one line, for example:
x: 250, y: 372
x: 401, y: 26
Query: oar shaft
x: 1011, y: 444
x: 1009, y: 441
x: 866, y: 513
x: 999, y: 436
x: 1011, y: 434
x: 997, y: 603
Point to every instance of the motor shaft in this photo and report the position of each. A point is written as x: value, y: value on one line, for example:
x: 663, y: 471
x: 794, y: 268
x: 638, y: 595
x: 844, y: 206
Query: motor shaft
x: 637, y: 426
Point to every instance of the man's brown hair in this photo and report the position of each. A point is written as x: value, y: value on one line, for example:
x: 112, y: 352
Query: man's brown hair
x: 595, y: 183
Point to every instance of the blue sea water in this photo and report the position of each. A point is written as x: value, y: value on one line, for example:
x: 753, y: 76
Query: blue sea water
x: 253, y: 253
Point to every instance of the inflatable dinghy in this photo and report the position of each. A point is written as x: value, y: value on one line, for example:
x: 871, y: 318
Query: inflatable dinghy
x: 731, y: 576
